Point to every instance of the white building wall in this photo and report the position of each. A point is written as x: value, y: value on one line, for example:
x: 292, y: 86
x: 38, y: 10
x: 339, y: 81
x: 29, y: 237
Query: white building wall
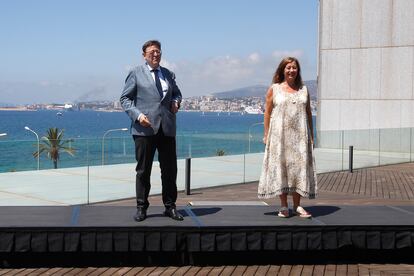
x: 366, y: 65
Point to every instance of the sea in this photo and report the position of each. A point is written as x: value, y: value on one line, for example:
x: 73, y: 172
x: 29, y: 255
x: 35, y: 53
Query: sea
x: 97, y: 139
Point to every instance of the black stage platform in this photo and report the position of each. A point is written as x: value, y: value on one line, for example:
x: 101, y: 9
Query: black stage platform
x: 214, y: 230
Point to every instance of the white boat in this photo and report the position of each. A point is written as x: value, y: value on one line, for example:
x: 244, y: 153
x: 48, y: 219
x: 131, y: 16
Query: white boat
x: 252, y: 110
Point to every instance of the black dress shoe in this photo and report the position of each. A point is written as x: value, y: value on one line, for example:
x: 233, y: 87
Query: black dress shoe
x: 140, y: 215
x: 172, y: 213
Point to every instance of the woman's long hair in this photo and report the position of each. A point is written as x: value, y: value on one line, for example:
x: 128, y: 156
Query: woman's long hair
x: 279, y: 75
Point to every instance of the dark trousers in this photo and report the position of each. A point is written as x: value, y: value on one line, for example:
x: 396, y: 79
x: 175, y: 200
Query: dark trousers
x: 145, y: 147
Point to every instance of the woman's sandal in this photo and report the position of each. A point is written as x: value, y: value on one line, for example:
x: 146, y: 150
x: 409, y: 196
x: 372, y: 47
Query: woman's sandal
x: 283, y: 212
x: 299, y: 211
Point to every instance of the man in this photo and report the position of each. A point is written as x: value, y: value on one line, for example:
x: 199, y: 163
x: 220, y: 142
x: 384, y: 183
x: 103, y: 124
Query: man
x: 151, y: 99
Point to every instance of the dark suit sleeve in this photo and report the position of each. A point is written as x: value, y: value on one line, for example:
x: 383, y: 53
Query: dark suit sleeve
x: 128, y: 97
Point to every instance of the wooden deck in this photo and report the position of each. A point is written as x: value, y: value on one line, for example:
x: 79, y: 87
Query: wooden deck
x: 285, y: 270
x: 387, y: 185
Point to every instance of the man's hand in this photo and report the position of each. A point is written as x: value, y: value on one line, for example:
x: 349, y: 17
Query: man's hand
x: 143, y: 121
x: 174, y: 107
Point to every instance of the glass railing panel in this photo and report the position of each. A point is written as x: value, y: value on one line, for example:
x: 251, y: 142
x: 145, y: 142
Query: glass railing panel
x: 216, y: 159
x: 253, y: 166
x: 111, y: 170
x: 254, y: 152
x: 22, y: 183
x: 328, y: 151
x: 395, y: 145
x: 365, y: 143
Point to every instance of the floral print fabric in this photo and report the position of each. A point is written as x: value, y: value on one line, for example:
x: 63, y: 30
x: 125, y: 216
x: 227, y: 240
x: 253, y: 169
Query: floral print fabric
x: 288, y: 164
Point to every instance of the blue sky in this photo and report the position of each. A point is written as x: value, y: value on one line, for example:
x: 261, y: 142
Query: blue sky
x: 66, y: 51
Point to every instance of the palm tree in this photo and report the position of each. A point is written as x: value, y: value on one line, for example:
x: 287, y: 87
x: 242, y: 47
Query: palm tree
x: 53, y: 143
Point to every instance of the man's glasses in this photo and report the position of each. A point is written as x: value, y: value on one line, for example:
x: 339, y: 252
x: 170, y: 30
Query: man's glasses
x: 153, y: 52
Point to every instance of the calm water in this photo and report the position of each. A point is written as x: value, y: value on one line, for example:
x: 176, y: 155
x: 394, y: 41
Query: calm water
x: 198, y: 135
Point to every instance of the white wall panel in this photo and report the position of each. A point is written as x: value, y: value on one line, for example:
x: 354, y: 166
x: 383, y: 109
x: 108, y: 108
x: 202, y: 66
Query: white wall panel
x: 376, y: 23
x: 346, y: 24
x: 330, y: 114
x: 336, y: 74
x: 366, y: 64
x: 407, y: 115
x: 325, y: 31
x: 351, y: 119
x: 365, y: 73
x: 397, y: 73
x: 403, y: 23
x: 385, y: 114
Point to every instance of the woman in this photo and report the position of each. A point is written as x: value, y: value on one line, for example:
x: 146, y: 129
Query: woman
x: 288, y: 165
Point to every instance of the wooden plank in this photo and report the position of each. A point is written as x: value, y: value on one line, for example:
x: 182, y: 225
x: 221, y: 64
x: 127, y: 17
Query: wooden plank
x: 409, y: 185
x: 363, y: 270
x: 374, y: 183
x: 157, y: 271
x: 307, y: 270
x: 273, y: 270
x: 239, y: 270
x: 391, y: 187
x: 26, y: 271
x: 285, y: 270
x: 352, y: 270
x: 123, y: 270
x: 227, y: 270
x: 341, y: 270
x: 368, y: 183
x: 378, y: 181
x: 352, y: 182
x: 330, y: 270
x: 182, y: 270
x: 192, y: 271
x: 216, y: 271
x: 204, y: 271
x: 402, y: 193
x: 5, y: 271
x: 262, y: 270
x: 343, y: 186
x: 335, y: 180
x: 357, y: 182
x: 169, y: 271
x: 134, y: 271
x: 54, y: 270
x: 63, y: 271
x: 99, y: 271
x: 146, y: 271
x: 387, y: 185
x: 322, y: 180
x: 40, y: 271
x: 330, y: 180
x: 296, y: 270
x: 75, y: 271
x: 250, y: 270
x: 361, y: 185
x: 319, y: 270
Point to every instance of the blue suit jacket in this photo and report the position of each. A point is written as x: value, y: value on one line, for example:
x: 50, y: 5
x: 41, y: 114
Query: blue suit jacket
x: 140, y: 95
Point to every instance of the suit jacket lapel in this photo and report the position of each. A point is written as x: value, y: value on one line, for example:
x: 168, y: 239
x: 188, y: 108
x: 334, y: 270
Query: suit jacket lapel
x: 149, y: 78
x: 166, y: 75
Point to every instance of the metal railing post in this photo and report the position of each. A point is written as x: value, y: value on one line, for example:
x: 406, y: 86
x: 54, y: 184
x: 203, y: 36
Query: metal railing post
x: 351, y: 158
x: 188, y: 176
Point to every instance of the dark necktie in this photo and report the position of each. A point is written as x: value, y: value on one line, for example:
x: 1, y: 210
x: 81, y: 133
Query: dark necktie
x: 158, y: 82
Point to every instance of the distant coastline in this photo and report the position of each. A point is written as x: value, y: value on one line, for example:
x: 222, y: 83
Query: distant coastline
x: 16, y: 108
